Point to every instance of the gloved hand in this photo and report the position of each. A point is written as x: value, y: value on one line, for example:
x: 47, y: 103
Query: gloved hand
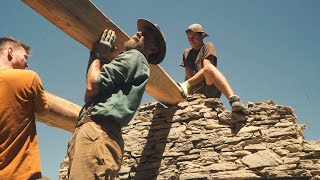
x: 105, y: 44
x: 184, y: 88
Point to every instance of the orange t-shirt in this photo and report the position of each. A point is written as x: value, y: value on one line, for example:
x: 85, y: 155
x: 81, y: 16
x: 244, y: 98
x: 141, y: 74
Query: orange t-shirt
x: 21, y: 95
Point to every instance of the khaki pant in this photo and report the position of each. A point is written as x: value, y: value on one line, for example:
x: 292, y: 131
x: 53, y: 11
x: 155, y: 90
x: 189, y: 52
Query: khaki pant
x: 95, y: 152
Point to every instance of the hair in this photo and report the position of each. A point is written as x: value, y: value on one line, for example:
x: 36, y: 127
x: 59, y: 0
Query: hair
x: 9, y: 41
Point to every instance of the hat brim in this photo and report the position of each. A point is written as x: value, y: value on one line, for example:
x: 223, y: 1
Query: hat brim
x: 144, y: 26
x: 205, y: 34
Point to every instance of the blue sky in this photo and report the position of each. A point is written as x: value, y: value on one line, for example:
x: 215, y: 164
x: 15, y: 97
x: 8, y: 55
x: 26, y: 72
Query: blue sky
x: 268, y: 50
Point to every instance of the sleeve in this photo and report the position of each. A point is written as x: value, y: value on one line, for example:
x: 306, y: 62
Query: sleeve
x: 184, y: 58
x: 39, y: 96
x: 116, y: 72
x: 183, y: 64
x: 210, y: 53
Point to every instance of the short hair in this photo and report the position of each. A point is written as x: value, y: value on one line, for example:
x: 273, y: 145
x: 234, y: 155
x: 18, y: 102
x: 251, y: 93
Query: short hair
x: 10, y: 41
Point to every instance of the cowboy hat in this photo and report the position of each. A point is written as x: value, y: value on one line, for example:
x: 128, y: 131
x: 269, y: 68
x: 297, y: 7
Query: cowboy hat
x: 146, y: 26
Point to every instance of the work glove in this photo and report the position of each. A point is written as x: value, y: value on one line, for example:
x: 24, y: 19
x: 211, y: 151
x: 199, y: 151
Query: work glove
x: 184, y: 88
x: 104, y: 45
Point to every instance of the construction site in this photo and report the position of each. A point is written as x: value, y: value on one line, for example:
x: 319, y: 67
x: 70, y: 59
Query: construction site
x: 172, y: 136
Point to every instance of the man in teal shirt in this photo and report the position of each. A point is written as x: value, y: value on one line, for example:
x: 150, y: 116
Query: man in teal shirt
x: 113, y: 94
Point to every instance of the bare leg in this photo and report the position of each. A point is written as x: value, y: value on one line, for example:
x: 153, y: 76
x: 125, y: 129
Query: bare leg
x: 214, y: 76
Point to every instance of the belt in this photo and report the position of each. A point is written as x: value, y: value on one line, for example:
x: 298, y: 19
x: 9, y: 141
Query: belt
x: 104, y: 123
x: 83, y: 121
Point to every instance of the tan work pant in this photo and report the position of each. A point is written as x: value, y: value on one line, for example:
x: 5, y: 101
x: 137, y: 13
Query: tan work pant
x: 95, y: 152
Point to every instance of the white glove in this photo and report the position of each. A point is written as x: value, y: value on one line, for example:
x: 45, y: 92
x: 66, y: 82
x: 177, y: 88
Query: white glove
x: 184, y: 87
x: 105, y: 44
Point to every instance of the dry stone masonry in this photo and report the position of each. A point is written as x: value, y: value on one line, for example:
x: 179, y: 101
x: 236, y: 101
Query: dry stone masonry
x: 200, y: 139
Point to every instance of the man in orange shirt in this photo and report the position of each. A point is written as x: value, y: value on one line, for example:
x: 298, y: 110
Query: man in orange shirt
x: 21, y: 96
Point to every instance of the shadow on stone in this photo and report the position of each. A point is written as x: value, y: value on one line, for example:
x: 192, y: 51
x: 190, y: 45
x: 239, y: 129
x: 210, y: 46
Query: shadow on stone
x: 152, y: 154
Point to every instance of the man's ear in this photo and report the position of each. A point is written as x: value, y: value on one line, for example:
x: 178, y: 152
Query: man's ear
x: 10, y: 53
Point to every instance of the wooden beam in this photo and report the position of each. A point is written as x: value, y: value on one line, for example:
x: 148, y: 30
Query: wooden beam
x: 84, y: 22
x: 62, y: 113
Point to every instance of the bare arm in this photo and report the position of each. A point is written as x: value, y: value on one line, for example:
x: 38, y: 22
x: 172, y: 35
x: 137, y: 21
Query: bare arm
x: 92, y: 87
x: 199, y: 76
x: 102, y: 48
x: 196, y: 78
x: 189, y: 74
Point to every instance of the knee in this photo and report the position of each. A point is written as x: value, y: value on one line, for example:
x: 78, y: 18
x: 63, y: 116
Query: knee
x: 209, y: 69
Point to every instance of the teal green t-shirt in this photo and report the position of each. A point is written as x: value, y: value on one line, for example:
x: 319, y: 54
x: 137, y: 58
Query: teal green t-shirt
x: 122, y: 83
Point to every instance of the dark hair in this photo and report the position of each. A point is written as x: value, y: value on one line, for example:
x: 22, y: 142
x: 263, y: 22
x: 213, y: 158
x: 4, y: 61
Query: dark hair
x: 15, y: 43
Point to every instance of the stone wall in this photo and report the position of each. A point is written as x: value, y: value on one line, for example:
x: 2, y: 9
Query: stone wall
x: 199, y: 139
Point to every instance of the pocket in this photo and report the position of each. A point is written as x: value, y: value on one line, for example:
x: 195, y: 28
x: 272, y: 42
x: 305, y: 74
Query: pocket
x: 90, y: 131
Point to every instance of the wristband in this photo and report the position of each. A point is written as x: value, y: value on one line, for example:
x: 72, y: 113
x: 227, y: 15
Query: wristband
x: 95, y: 54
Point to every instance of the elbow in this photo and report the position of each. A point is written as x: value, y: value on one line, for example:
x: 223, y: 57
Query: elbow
x: 92, y: 86
x: 91, y: 92
x: 44, y: 112
x: 92, y: 89
x: 92, y: 82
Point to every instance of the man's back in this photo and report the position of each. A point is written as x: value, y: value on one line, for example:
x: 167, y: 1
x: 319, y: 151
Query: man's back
x: 21, y: 95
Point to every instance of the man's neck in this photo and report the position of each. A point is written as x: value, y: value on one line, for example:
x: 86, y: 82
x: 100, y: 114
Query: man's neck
x: 198, y: 47
x: 5, y: 64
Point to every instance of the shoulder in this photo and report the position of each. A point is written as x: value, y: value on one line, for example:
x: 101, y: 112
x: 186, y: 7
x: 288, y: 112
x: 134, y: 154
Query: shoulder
x: 209, y: 48
x: 22, y: 73
x: 209, y: 45
x: 186, y: 51
x: 133, y: 53
x: 132, y: 56
x: 31, y: 74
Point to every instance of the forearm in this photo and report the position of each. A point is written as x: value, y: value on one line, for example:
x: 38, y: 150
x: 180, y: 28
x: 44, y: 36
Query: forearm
x: 189, y: 74
x: 99, y: 50
x: 197, y: 78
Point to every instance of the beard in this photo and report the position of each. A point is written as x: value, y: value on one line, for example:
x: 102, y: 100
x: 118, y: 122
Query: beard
x: 134, y: 44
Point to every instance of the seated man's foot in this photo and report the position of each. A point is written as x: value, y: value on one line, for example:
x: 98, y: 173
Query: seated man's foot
x: 236, y: 105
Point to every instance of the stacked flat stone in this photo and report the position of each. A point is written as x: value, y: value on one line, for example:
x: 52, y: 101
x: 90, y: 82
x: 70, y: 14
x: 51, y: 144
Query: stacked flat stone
x: 200, y: 139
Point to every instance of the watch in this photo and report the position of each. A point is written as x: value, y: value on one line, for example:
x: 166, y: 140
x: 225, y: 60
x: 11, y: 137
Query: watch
x: 95, y: 54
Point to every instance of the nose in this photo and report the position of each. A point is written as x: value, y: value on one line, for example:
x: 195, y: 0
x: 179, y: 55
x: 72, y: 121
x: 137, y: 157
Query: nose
x: 139, y: 34
x: 26, y: 61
